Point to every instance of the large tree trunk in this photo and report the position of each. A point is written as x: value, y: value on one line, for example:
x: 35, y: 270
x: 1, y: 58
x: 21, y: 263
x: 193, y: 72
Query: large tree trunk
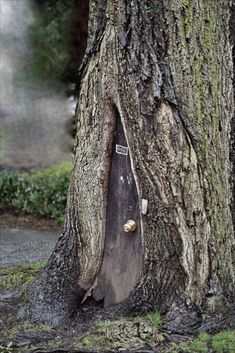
x: 157, y: 79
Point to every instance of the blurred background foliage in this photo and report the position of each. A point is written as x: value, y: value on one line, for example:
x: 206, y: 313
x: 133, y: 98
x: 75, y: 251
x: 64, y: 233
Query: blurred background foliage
x: 42, y: 46
x: 51, y: 38
x: 42, y: 191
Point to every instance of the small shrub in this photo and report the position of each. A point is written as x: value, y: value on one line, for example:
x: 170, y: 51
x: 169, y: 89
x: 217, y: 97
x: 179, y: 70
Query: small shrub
x: 43, y: 191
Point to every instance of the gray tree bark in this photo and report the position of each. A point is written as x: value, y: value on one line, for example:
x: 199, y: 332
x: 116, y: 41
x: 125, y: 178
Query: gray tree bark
x: 232, y: 152
x: 165, y: 69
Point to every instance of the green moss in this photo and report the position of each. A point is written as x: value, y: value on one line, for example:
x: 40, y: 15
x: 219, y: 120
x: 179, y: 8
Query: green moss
x: 224, y: 342
x: 188, y: 24
x: 96, y: 341
x: 187, y: 19
x: 186, y: 3
x: 209, y: 34
x: 204, y: 337
x: 28, y: 327
x: 195, y: 346
x: 207, y: 25
x: 55, y: 343
x: 87, y: 343
x: 13, y: 328
x: 197, y: 65
x: 106, y: 324
x: 123, y: 333
x: 210, y: 26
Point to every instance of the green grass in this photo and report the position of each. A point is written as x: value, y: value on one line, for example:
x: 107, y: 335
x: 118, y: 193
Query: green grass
x: 222, y: 342
x: 55, y: 170
x: 18, y: 275
x: 123, y: 333
x: 20, y: 328
x: 42, y: 191
x: 195, y: 346
x: 155, y: 319
x: 87, y: 343
x: 28, y: 327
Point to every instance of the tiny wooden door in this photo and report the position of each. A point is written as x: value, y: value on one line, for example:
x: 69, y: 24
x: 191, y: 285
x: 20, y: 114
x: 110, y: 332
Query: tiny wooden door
x: 123, y: 251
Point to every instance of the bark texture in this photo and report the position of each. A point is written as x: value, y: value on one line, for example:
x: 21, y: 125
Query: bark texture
x: 232, y: 152
x: 165, y: 67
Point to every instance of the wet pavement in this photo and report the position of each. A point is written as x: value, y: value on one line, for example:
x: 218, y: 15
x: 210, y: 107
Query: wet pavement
x: 19, y: 246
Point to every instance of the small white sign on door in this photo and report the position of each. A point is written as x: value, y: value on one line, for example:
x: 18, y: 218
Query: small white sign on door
x: 122, y: 150
x: 144, y: 206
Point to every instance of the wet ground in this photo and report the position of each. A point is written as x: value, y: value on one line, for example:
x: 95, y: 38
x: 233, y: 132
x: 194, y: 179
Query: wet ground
x: 26, y: 239
x: 25, y: 245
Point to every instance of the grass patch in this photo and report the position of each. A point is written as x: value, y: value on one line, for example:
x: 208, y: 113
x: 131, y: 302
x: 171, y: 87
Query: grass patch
x: 15, y: 331
x: 55, y: 170
x: 55, y: 343
x: 87, y: 343
x: 41, y: 191
x: 28, y: 327
x: 222, y: 342
x: 123, y: 333
x: 155, y: 319
x: 18, y: 275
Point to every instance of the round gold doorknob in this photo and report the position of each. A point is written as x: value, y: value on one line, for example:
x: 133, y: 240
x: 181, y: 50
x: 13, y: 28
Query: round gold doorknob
x: 130, y: 226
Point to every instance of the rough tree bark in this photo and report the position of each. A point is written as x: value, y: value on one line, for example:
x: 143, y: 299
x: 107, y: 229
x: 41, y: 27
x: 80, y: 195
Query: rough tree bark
x: 232, y: 151
x: 164, y: 70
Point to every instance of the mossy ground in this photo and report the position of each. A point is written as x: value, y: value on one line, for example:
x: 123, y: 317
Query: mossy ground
x: 14, y: 277
x: 222, y: 342
x: 124, y: 333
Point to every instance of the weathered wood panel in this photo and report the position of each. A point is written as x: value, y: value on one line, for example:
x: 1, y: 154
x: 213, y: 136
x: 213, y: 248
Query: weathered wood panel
x: 123, y: 251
